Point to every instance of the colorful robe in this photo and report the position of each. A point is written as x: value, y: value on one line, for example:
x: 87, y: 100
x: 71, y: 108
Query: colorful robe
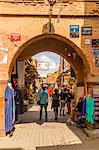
x: 90, y: 110
x: 8, y: 109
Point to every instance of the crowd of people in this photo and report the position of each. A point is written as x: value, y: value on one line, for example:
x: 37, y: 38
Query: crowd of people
x: 81, y: 112
x: 61, y: 98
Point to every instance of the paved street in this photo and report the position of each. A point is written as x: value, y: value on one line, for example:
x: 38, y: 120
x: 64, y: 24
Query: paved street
x: 32, y: 133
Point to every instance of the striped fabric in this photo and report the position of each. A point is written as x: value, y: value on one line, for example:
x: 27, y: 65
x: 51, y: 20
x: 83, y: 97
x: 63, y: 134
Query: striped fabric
x: 96, y: 103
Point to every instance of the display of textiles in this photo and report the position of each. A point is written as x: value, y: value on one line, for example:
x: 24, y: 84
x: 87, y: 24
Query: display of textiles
x: 96, y: 104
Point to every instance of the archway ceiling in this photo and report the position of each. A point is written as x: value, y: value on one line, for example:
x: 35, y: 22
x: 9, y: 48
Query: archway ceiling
x: 56, y: 45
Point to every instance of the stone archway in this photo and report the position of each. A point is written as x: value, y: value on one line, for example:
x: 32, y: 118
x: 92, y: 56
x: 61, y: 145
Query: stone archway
x: 50, y: 42
x: 57, y: 44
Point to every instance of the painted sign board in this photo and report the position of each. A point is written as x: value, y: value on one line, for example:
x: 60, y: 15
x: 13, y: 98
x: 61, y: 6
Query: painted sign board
x: 74, y: 31
x: 95, y: 42
x: 86, y: 30
x: 15, y: 37
x: 96, y: 51
x: 42, y: 65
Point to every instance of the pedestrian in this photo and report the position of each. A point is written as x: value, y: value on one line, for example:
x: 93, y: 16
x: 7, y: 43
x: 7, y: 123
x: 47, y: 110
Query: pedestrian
x: 90, y: 110
x: 77, y: 111
x: 63, y: 97
x: 43, y: 95
x: 69, y: 98
x: 50, y: 92
x: 9, y: 113
x: 55, y: 103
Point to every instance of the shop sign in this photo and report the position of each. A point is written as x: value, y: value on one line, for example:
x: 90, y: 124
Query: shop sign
x: 96, y: 51
x: 74, y: 31
x: 95, y: 42
x: 86, y: 30
x: 87, y: 41
x: 15, y: 37
x: 97, y: 60
x: 42, y: 65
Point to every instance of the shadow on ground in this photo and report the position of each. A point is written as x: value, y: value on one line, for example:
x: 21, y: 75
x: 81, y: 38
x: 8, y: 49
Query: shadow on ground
x: 62, y: 147
x: 33, y: 116
x: 93, y: 145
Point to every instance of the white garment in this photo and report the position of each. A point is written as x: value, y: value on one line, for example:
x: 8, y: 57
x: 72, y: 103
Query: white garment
x: 10, y: 85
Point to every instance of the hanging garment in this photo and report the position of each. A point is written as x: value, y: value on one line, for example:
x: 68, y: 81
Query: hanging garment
x: 96, y: 102
x: 90, y: 110
x: 84, y: 107
x: 8, y: 109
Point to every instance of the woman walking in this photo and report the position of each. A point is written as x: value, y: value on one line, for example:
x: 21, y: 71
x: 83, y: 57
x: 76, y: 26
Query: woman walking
x: 55, y: 103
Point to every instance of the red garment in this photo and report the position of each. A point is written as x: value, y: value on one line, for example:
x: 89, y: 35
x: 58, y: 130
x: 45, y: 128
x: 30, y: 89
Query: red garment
x: 50, y: 91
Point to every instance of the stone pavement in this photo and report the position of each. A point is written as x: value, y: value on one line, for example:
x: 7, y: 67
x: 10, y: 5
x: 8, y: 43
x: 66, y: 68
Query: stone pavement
x: 93, y: 145
x: 33, y: 134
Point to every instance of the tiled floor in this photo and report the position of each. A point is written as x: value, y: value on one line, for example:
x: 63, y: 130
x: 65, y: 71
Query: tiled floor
x: 32, y: 133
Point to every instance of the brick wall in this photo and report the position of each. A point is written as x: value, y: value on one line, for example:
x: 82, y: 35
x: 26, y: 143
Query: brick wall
x: 29, y: 20
x: 2, y: 107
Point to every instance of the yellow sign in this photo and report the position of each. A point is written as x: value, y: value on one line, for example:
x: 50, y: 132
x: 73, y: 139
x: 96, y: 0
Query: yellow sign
x: 55, y: 75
